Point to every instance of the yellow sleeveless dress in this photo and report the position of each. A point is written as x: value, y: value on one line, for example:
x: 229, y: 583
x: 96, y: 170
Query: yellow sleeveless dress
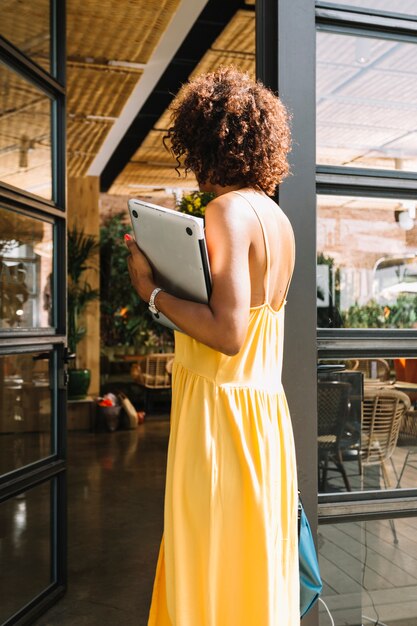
x: 229, y: 555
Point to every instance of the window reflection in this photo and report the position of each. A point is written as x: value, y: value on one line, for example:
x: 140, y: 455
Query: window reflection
x: 368, y: 571
x: 26, y: 25
x: 366, y: 262
x: 25, y: 271
x: 25, y: 548
x: 25, y: 135
x: 367, y: 424
x: 366, y: 101
x: 26, y: 392
x: 406, y: 7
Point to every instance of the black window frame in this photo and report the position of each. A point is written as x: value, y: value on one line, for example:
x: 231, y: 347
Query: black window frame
x: 340, y: 343
x: 53, y: 467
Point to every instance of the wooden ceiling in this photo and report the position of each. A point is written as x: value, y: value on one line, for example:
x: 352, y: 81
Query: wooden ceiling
x: 151, y: 165
x: 365, y: 109
x: 109, y: 45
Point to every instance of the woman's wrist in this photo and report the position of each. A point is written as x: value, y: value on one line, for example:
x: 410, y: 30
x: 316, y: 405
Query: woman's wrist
x: 146, y: 290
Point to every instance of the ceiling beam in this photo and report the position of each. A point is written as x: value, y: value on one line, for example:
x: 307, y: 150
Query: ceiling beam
x: 205, y: 30
x: 182, y: 21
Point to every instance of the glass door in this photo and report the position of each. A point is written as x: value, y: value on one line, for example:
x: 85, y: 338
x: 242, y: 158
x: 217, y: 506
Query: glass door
x: 366, y: 147
x: 32, y: 309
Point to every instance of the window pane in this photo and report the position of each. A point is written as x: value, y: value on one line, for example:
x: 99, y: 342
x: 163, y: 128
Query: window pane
x: 25, y: 548
x: 25, y: 135
x: 26, y: 401
x: 366, y: 262
x: 26, y: 25
x: 367, y: 424
x: 406, y: 7
x: 26, y: 269
x: 368, y: 577
x: 366, y: 102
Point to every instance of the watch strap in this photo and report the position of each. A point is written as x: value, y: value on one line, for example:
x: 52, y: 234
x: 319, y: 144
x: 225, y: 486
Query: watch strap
x: 151, y: 304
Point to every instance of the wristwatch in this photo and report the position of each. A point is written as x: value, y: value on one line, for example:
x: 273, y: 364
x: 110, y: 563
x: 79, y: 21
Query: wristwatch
x: 151, y: 304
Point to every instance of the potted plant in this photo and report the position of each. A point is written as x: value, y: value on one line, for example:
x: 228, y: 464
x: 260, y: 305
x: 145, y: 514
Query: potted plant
x: 81, y: 250
x: 125, y: 320
x: 195, y: 202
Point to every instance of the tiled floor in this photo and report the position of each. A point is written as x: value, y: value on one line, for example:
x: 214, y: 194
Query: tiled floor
x: 115, y: 516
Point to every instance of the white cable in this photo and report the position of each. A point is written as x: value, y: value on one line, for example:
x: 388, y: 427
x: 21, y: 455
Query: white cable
x: 373, y: 621
x: 327, y: 609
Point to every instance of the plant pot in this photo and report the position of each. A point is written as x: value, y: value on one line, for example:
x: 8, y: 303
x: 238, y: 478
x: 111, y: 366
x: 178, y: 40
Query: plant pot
x: 78, y: 383
x: 107, y: 418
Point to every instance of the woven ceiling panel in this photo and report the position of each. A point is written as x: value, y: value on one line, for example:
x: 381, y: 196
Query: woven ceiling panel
x: 98, y: 33
x: 35, y: 177
x: 86, y: 135
x: 78, y: 163
x: 28, y: 124
x: 96, y: 92
x: 26, y: 25
x: 235, y: 46
x: 16, y: 93
x: 120, y: 31
x: 213, y: 60
x: 136, y: 178
x: 152, y: 149
x: 239, y: 35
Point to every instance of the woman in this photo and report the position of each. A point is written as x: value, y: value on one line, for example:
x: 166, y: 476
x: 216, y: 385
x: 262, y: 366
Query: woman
x: 229, y: 554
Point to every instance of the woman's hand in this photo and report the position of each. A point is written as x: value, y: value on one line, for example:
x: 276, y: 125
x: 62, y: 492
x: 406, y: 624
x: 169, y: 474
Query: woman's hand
x: 140, y: 271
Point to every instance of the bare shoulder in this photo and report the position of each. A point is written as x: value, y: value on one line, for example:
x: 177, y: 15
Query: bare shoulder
x: 226, y: 211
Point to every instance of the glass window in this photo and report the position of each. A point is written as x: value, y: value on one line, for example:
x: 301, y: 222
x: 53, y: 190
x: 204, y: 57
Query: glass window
x: 26, y: 401
x: 406, y: 7
x: 25, y: 135
x: 26, y: 272
x: 368, y: 577
x: 367, y: 424
x: 25, y: 548
x: 366, y: 102
x: 366, y: 262
x: 27, y: 25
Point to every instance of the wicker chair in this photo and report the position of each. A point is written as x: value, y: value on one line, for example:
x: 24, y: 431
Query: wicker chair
x: 153, y: 373
x: 333, y: 410
x: 383, y: 413
x: 373, y: 369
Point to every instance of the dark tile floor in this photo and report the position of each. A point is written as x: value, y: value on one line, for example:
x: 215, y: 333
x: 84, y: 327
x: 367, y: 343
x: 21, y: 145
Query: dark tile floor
x: 115, y: 518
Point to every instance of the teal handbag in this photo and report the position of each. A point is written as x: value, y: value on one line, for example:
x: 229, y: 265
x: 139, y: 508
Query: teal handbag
x: 310, y: 581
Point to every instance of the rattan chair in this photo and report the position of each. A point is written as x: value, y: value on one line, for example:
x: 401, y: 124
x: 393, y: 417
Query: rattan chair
x: 373, y: 369
x: 333, y: 410
x: 153, y: 373
x: 383, y: 413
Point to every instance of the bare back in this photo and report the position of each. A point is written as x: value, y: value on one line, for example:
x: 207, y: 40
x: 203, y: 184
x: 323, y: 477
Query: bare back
x: 271, y: 235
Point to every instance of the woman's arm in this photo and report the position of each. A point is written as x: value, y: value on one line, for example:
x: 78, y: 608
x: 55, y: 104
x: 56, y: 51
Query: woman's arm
x: 222, y: 324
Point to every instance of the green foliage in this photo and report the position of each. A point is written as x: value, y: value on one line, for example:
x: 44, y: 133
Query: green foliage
x: 401, y: 314
x: 370, y: 315
x: 81, y: 248
x: 125, y: 319
x: 195, y: 203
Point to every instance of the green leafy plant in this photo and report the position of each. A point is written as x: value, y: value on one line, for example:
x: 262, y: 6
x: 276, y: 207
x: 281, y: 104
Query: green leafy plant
x: 370, y: 315
x: 403, y: 313
x: 195, y: 203
x: 400, y: 314
x: 81, y: 250
x: 125, y: 319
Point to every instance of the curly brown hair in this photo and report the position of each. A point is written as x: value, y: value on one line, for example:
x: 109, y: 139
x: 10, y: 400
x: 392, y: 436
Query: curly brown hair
x: 229, y: 129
